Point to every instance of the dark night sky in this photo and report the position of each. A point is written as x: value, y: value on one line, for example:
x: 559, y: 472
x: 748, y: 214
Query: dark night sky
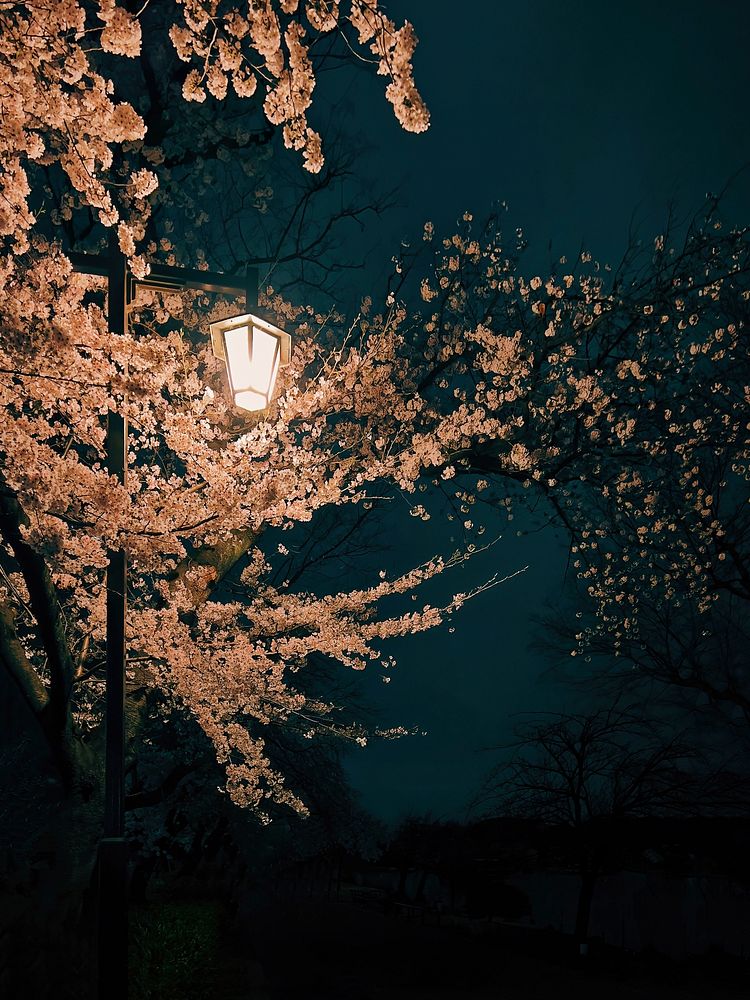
x: 578, y: 115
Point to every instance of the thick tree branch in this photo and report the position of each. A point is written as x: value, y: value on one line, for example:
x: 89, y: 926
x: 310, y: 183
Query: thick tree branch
x: 219, y: 558
x: 153, y: 796
x: 45, y: 606
x: 73, y: 759
x: 18, y: 666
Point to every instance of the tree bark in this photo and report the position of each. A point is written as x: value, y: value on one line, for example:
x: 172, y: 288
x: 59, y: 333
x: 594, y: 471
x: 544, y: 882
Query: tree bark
x: 583, y: 910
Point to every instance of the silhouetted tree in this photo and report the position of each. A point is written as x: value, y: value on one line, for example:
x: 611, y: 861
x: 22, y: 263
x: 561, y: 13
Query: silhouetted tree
x: 584, y: 774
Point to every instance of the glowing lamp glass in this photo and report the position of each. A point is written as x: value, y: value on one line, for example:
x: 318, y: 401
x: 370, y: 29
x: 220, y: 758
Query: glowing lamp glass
x: 253, y: 350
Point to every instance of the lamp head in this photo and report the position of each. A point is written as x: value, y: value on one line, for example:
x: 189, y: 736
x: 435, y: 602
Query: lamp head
x: 253, y: 349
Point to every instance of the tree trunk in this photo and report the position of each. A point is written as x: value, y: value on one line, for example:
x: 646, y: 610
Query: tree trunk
x: 48, y: 919
x: 402, y: 876
x: 583, y: 910
x: 419, y: 894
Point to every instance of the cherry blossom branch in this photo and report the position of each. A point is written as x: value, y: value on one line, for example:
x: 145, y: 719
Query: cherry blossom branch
x: 55, y: 378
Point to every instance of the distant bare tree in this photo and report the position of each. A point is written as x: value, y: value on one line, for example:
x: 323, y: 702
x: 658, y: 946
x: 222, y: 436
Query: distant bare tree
x: 585, y: 772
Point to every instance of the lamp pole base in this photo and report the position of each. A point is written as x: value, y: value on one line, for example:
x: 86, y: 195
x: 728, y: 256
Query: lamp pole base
x: 112, y: 941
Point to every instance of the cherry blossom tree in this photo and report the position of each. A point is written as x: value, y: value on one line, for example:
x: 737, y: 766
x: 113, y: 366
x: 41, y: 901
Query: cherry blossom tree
x: 203, y: 485
x: 615, y: 399
x: 95, y: 141
x: 227, y: 193
x: 61, y: 107
x: 612, y: 402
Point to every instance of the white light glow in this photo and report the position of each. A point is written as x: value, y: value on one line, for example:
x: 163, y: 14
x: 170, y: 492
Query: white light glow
x: 239, y: 363
x: 253, y: 350
x: 249, y: 400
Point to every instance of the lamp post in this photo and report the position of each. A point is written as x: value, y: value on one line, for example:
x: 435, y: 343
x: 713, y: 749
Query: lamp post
x: 253, y: 349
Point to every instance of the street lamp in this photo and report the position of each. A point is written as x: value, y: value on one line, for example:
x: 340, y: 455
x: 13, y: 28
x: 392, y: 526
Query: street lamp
x: 253, y: 350
x: 253, y: 358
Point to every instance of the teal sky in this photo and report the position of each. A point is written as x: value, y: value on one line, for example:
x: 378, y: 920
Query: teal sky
x: 578, y: 115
